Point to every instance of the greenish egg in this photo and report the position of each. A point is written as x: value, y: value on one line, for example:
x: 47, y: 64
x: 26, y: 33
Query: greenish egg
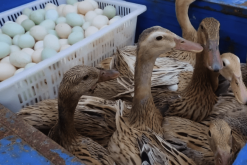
x: 27, y: 24
x: 48, y: 24
x: 5, y: 38
x: 77, y: 29
x: 16, y: 39
x: 71, y: 2
x: 61, y: 20
x: 12, y: 29
x: 29, y: 65
x: 42, y: 11
x: 53, y: 32
x: 75, y: 37
x: 47, y: 53
x: 51, y: 14
x: 37, y: 17
x: 74, y: 19
x: 26, y: 11
x: 109, y: 11
x: 5, y: 49
x: 26, y: 41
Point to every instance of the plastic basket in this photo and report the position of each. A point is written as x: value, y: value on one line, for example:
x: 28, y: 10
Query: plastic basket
x: 41, y: 81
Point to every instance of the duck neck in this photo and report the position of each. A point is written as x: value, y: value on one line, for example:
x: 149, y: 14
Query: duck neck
x: 144, y: 113
x: 188, y: 30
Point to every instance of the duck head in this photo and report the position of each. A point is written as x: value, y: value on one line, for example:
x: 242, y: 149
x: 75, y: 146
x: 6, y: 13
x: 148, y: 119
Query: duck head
x: 232, y: 72
x: 220, y: 141
x: 208, y: 37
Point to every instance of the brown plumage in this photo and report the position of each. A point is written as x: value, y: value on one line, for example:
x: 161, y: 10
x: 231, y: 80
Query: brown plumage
x: 74, y: 83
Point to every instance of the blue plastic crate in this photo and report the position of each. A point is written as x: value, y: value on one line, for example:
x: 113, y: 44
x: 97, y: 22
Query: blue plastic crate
x: 7, y: 4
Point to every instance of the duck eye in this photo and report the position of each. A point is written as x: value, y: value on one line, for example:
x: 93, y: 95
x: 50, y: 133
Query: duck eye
x: 85, y: 77
x: 209, y: 133
x: 231, y: 132
x: 231, y: 151
x: 224, y: 63
x: 159, y: 38
x: 202, y: 27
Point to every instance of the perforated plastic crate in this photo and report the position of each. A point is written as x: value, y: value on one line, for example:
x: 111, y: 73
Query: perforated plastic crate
x: 41, y: 81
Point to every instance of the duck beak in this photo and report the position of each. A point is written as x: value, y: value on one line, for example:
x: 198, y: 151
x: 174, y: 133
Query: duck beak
x: 106, y: 75
x: 214, y: 60
x: 185, y: 45
x: 222, y: 157
x: 239, y: 89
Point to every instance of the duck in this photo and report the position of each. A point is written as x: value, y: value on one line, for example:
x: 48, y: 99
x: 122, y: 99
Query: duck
x: 143, y: 115
x: 75, y: 82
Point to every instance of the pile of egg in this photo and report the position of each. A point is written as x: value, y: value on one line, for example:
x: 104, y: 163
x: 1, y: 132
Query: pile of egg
x: 40, y: 34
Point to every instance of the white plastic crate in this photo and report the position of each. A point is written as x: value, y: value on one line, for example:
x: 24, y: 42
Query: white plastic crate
x: 41, y: 81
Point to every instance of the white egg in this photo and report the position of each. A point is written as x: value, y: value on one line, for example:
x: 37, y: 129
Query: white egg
x: 84, y: 7
x: 76, y: 5
x: 51, y: 41
x: 103, y: 27
x: 47, y: 53
x: 26, y: 11
x: 6, y: 71
x: 60, y: 9
x: 99, y: 11
x: 91, y: 30
x: 68, y: 9
x: 63, y: 30
x: 90, y: 16
x: 75, y: 37
x: 61, y: 20
x: 20, y: 59
x: 64, y: 47
x: 48, y: 24
x: 173, y: 87
x: 36, y: 56
x: 5, y: 49
x: 19, y: 71
x: 29, y: 65
x: 26, y: 41
x: 38, y: 32
x: 38, y: 45
x: 99, y: 21
x: 63, y: 42
x: 74, y: 19
x: 14, y: 48
x: 51, y: 14
x: 86, y: 25
x: 109, y: 11
x: 114, y: 19
x: 5, y: 38
x: 28, y: 51
x: 50, y: 6
x: 95, y: 4
x: 5, y: 60
x: 21, y: 18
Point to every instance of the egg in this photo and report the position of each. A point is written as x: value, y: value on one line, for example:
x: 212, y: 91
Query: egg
x: 12, y: 29
x: 26, y: 11
x: 53, y: 32
x: 38, y: 32
x: 28, y: 33
x: 95, y: 4
x: 83, y: 17
x: 71, y: 2
x: 21, y: 18
x: 5, y: 60
x: 86, y: 25
x: 109, y: 11
x: 51, y: 14
x: 90, y: 16
x: 41, y: 11
x: 84, y: 7
x: 47, y: 53
x: 63, y: 30
x: 64, y: 47
x: 29, y: 65
x: 60, y: 9
x: 5, y: 49
x: 48, y: 24
x: 61, y: 20
x: 68, y: 9
x: 98, y: 11
x: 51, y: 41
x: 6, y: 71
x: 75, y: 37
x: 103, y: 27
x: 16, y: 39
x: 27, y: 24
x: 63, y: 42
x: 37, y: 17
x: 14, y: 48
x: 20, y: 59
x: 91, y: 30
x: 36, y: 56
x: 76, y: 5
x: 74, y: 19
x: 26, y: 41
x: 1, y: 31
x: 99, y: 21
x: 114, y: 19
x: 28, y: 51
x: 50, y: 6
x: 19, y: 71
x: 9, y: 22
x: 5, y: 38
x: 77, y: 29
x: 38, y: 45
